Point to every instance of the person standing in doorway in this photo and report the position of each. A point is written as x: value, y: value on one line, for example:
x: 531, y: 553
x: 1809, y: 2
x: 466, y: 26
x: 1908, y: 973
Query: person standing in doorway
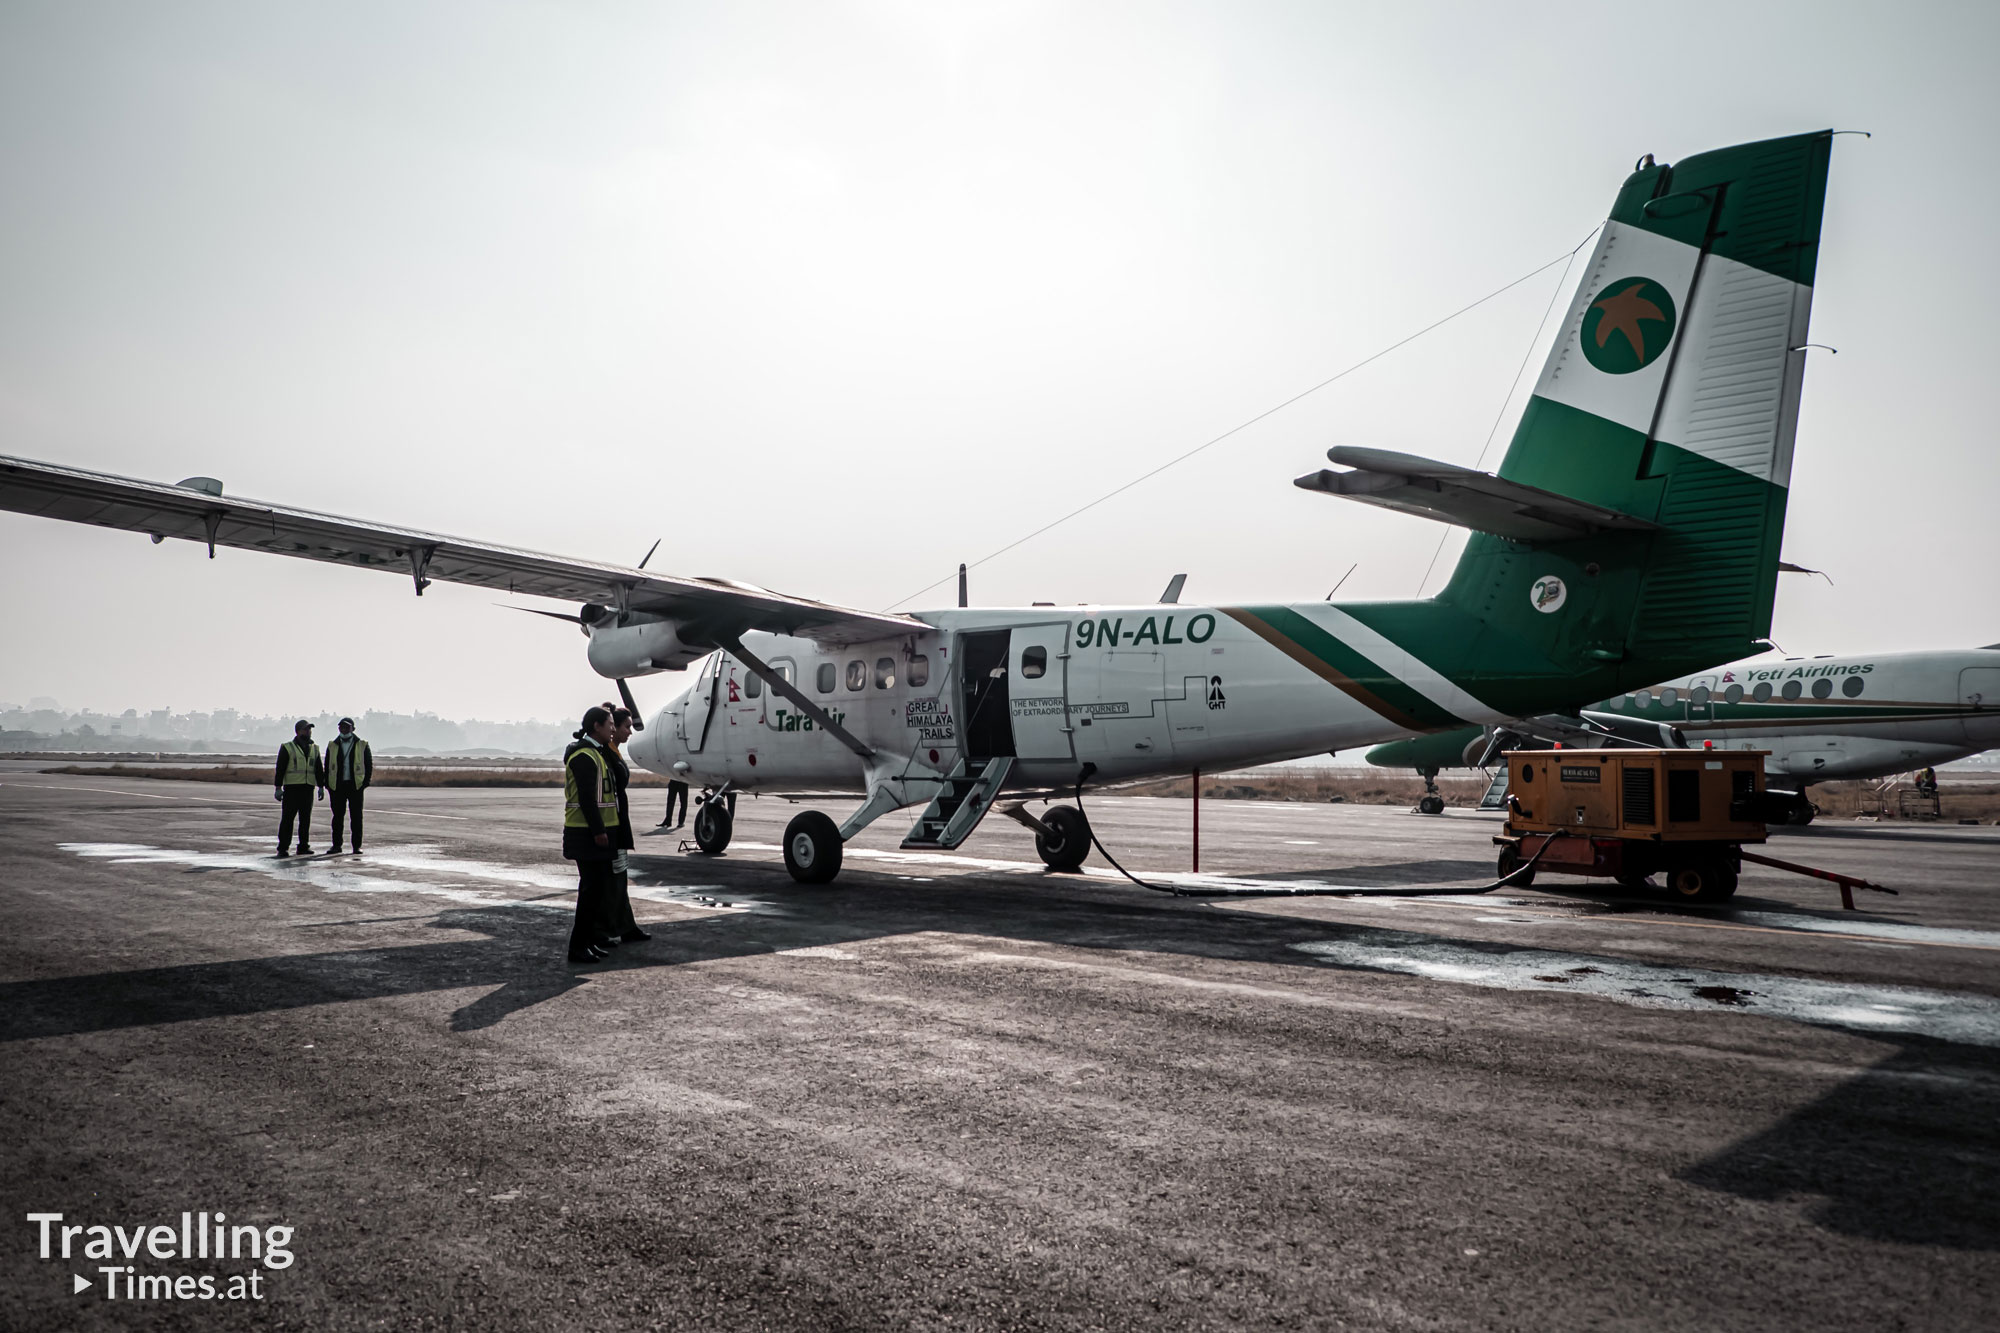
x: 300, y: 773
x: 350, y: 767
x: 590, y: 821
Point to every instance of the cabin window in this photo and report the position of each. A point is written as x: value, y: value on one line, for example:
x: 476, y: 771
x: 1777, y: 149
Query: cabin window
x: 1852, y: 687
x: 1034, y: 662
x: 1822, y: 688
x: 919, y: 673
x: 1793, y: 690
x: 829, y: 676
x: 753, y: 686
x: 1615, y: 705
x: 1669, y: 697
x: 857, y: 675
x: 885, y: 673
x: 1762, y: 694
x: 1698, y: 695
x: 1733, y: 695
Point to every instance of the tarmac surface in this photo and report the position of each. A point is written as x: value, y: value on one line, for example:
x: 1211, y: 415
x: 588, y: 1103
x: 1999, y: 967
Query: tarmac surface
x: 957, y: 1091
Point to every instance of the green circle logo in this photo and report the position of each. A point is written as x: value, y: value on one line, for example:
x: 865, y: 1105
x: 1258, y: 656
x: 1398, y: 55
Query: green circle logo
x: 1627, y: 325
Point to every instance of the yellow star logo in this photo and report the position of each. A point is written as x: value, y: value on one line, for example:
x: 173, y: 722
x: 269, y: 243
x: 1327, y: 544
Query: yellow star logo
x: 1622, y: 313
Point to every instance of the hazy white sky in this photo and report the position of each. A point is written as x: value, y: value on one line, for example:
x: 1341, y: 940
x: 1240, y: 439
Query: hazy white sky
x: 833, y: 296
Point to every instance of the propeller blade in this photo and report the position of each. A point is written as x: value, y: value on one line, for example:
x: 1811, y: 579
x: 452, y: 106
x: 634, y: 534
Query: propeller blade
x: 625, y: 693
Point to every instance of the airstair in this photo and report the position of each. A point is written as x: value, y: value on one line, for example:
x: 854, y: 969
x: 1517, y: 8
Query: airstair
x: 1496, y: 791
x: 967, y: 794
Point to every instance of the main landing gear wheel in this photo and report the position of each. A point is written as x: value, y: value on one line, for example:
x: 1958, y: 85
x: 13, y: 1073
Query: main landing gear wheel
x: 713, y: 827
x: 1071, y: 843
x: 1431, y: 805
x: 812, y: 848
x: 1510, y: 861
x: 1705, y: 881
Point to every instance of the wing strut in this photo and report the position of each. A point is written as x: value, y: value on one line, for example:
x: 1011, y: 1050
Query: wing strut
x: 734, y: 643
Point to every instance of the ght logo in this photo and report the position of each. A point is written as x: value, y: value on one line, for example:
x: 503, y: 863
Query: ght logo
x: 1627, y: 325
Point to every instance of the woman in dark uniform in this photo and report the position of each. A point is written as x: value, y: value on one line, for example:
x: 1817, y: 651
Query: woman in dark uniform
x: 619, y: 922
x: 591, y: 826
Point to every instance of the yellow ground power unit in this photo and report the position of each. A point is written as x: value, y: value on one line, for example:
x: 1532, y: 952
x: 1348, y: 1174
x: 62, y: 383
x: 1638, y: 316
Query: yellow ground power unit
x: 1631, y: 813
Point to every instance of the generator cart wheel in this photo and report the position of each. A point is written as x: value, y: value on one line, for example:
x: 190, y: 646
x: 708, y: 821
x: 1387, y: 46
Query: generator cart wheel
x: 1709, y: 880
x: 812, y: 848
x: 1510, y: 861
x: 1071, y: 843
x: 712, y: 827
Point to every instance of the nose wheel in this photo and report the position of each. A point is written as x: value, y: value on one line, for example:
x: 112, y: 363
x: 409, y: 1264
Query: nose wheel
x: 713, y: 826
x: 1431, y: 802
x: 812, y: 848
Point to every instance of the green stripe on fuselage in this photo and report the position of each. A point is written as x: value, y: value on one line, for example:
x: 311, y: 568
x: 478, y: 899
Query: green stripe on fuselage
x: 1342, y: 667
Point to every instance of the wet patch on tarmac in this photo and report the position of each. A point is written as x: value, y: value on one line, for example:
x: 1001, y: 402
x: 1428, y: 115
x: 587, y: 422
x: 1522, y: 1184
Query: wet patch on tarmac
x: 1973, y: 1020
x: 332, y: 873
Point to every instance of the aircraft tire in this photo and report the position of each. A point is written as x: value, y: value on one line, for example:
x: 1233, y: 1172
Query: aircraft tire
x: 1431, y: 805
x: 812, y: 848
x: 1071, y: 844
x: 713, y: 827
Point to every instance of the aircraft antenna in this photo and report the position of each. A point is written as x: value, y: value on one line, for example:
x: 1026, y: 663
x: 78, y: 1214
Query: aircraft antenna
x: 1564, y: 259
x: 1562, y: 285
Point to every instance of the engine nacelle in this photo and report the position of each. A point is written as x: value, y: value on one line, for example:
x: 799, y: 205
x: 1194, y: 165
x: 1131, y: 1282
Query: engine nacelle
x: 639, y: 647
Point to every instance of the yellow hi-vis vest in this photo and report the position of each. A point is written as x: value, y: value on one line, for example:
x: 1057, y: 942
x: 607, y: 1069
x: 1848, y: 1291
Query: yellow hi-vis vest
x: 607, y: 791
x: 357, y: 763
x: 300, y: 762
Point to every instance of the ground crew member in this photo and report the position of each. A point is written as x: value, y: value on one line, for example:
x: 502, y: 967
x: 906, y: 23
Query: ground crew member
x: 350, y: 767
x: 300, y: 772
x: 620, y: 923
x: 677, y: 791
x: 590, y: 818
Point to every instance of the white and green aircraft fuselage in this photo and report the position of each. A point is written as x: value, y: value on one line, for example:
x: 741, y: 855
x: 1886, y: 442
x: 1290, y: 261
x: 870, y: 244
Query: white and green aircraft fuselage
x: 1820, y: 719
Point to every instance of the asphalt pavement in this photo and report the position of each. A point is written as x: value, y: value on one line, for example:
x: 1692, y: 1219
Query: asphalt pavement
x: 954, y: 1090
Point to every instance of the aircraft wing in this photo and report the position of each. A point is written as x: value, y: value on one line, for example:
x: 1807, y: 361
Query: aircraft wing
x: 198, y: 511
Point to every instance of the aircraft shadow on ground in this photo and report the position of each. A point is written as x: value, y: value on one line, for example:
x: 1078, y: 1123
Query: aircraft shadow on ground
x: 1908, y: 1152
x: 518, y: 959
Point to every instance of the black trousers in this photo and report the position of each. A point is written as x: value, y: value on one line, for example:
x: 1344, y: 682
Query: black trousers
x: 618, y: 918
x: 593, y: 900
x: 676, y: 791
x: 298, y: 806
x: 345, y: 801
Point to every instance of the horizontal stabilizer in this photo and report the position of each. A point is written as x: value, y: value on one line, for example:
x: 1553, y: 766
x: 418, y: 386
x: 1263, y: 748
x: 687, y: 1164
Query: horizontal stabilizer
x: 1464, y: 497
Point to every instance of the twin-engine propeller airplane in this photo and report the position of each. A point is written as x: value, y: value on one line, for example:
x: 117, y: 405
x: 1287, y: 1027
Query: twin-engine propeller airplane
x: 1630, y: 535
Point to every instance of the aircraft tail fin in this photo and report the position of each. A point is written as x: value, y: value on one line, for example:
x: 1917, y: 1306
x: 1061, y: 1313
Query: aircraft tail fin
x: 1671, y: 396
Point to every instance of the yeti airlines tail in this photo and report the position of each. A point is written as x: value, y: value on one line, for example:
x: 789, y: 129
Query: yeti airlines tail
x: 1630, y: 535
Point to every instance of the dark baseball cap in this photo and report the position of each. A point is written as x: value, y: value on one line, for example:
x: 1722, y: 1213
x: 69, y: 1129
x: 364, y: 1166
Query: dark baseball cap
x: 346, y: 722
x: 302, y: 725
